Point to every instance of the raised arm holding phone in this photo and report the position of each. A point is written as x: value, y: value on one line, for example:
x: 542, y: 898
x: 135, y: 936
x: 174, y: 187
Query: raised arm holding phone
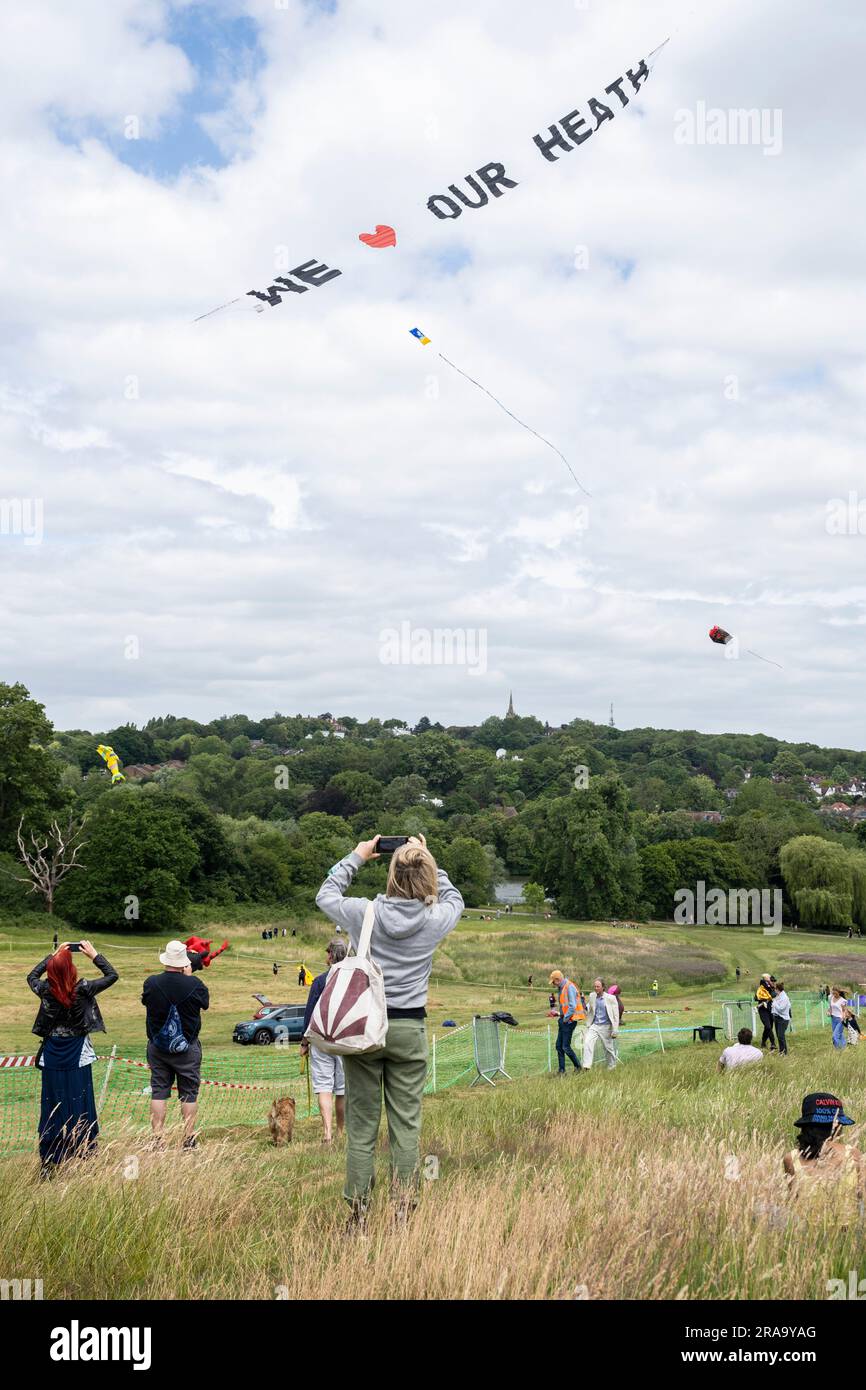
x: 68, y: 1014
x: 418, y: 909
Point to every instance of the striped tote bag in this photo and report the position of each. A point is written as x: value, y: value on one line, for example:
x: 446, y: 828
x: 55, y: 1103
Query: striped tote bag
x: 351, y: 1016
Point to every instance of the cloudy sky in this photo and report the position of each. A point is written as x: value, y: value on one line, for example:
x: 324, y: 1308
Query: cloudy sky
x: 199, y: 518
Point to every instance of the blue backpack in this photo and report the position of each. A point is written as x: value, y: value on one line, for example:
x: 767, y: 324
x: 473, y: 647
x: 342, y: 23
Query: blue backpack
x: 170, y: 1037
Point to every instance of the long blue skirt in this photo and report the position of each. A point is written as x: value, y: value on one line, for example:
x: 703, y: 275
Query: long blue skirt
x: 67, y: 1122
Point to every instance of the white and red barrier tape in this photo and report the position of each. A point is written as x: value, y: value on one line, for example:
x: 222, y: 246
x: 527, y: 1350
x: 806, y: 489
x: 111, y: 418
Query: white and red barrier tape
x: 135, y: 1062
x: 232, y: 1085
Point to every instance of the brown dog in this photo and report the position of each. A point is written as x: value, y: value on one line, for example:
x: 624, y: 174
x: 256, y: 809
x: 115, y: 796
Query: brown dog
x: 281, y: 1119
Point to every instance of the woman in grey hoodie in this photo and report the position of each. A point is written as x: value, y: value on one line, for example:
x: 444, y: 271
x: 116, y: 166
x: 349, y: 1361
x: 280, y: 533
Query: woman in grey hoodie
x: 418, y: 910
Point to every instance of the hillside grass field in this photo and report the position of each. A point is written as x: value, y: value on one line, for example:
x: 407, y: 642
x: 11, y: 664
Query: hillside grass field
x: 679, y: 1166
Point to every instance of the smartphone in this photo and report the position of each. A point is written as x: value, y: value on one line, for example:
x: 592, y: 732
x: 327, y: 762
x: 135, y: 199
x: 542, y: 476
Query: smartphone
x: 75, y: 945
x: 388, y: 843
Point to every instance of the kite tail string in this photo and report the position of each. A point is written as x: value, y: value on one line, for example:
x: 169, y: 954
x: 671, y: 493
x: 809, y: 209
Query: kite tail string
x: 517, y: 420
x: 654, y: 51
x: 218, y: 308
x: 749, y: 652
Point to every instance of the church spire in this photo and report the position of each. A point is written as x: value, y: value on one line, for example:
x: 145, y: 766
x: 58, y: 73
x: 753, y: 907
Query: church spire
x: 510, y: 713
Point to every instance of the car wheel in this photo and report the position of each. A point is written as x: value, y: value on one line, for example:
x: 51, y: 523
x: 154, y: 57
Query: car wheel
x: 263, y: 1037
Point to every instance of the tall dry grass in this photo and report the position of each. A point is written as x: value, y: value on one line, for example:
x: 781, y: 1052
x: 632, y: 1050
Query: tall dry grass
x: 659, y: 1181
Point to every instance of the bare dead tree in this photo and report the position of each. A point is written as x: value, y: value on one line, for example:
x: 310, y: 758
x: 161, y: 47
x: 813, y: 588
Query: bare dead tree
x: 50, y: 857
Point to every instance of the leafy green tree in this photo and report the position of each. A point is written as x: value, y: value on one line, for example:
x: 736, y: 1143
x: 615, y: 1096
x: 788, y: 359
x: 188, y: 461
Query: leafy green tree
x: 533, y: 896
x: 703, y: 795
x: 362, y: 793
x: 402, y: 792
x: 787, y: 766
x: 586, y: 853
x: 436, y: 761
x: 138, y: 859
x: 819, y: 879
x: 468, y: 868
x: 30, y: 788
x: 659, y: 881
x: 214, y: 777
x: 131, y: 745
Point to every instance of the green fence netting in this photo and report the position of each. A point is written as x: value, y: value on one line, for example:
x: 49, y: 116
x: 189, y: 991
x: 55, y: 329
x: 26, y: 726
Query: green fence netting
x: 238, y: 1087
x: 236, y: 1090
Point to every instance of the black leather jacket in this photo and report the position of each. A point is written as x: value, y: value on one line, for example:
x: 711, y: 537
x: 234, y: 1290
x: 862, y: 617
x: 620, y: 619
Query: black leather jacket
x: 83, y: 1015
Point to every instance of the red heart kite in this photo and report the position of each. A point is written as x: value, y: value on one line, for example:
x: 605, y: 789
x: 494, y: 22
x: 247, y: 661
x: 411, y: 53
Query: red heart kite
x: 383, y: 236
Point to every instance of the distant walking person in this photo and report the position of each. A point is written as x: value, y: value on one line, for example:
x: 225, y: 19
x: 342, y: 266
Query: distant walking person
x: 764, y: 999
x: 615, y: 991
x: 570, y: 1014
x: 68, y: 1012
x: 838, y: 1004
x: 326, y: 1070
x: 302, y: 975
x: 174, y: 1002
x: 738, y: 974
x: 781, y: 1011
x: 603, y: 1016
x: 852, y: 1027
x: 655, y: 989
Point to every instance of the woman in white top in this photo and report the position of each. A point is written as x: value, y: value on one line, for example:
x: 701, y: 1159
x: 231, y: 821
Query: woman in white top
x: 837, y: 1016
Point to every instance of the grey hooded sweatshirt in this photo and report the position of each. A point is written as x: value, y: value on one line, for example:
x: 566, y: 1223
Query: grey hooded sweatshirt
x: 406, y: 931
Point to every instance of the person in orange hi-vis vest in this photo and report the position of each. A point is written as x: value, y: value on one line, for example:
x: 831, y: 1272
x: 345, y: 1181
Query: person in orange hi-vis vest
x: 571, y: 1013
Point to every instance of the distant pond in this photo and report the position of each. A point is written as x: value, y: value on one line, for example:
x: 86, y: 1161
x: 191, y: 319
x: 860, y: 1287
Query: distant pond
x: 511, y: 891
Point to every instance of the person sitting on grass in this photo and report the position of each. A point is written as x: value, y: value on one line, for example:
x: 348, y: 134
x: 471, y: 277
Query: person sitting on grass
x: 822, y: 1163
x: 417, y: 911
x: 326, y: 1069
x: 740, y: 1053
x: 68, y: 1013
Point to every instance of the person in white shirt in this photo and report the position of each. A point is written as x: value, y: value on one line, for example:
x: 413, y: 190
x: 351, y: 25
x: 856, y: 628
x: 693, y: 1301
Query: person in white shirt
x: 837, y: 1016
x: 602, y: 1016
x: 741, y: 1053
x: 781, y: 1011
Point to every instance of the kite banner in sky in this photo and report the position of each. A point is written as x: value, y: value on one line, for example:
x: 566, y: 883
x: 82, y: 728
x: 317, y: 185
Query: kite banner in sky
x: 490, y: 181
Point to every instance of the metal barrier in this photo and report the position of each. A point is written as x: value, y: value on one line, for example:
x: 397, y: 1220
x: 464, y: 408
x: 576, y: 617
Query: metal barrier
x: 489, y: 1047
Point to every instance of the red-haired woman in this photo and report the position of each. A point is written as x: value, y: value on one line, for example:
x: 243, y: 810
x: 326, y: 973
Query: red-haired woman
x: 68, y: 1013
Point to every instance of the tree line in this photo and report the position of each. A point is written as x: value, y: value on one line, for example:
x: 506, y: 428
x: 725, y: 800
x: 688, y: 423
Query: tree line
x: 240, y: 811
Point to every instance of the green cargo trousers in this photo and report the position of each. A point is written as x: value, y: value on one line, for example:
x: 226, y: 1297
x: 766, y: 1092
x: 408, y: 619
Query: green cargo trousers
x: 399, y: 1070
